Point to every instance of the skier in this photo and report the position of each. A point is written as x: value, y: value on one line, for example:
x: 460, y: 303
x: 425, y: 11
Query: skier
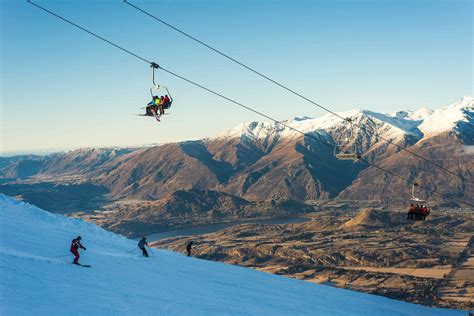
x: 160, y: 106
x: 188, y: 248
x: 75, y: 245
x: 424, y: 210
x: 411, y: 212
x: 417, y: 209
x: 142, y: 244
x: 153, y: 105
x: 166, y: 102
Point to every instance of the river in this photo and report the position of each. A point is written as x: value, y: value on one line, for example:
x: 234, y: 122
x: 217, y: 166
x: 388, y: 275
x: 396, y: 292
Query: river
x: 211, y: 228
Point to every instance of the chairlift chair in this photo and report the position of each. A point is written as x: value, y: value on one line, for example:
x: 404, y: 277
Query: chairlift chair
x: 347, y: 154
x: 156, y: 88
x: 417, y: 215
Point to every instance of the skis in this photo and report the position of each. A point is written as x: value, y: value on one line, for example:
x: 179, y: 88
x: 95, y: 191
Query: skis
x: 156, y: 115
x: 82, y: 265
x: 152, y: 115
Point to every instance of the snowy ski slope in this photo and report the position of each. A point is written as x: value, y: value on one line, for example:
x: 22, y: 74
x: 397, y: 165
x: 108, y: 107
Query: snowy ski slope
x: 37, y: 278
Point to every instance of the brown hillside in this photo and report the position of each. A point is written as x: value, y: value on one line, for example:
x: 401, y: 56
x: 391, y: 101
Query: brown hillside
x: 369, y: 218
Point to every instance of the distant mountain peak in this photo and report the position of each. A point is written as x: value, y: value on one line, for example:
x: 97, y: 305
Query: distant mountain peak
x: 300, y: 118
x: 420, y: 123
x: 448, y: 118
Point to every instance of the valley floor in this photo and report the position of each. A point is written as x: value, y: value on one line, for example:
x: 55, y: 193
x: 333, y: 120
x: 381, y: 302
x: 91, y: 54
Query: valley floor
x: 430, y: 263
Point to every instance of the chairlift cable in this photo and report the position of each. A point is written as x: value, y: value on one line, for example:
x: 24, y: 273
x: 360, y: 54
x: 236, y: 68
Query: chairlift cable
x: 152, y: 64
x: 293, y: 91
x: 91, y: 33
x: 310, y: 135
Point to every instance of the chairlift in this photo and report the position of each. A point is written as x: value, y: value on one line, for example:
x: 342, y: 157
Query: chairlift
x: 347, y: 154
x: 155, y: 108
x: 157, y: 90
x: 418, y: 208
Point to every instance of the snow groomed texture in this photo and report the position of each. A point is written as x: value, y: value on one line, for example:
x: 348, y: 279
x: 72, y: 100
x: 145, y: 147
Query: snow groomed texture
x: 37, y: 278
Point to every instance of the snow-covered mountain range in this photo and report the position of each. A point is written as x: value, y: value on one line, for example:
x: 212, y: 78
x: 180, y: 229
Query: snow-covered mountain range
x: 37, y: 278
x: 423, y: 123
x: 262, y: 160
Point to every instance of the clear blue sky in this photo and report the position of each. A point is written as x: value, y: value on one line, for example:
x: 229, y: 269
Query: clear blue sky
x: 61, y: 87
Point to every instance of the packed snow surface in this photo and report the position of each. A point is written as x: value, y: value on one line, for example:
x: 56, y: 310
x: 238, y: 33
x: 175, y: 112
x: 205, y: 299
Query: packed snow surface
x: 37, y: 278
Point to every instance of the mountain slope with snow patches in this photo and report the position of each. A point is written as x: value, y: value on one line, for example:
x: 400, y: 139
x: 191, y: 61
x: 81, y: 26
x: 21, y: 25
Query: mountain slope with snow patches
x: 37, y: 278
x: 422, y: 123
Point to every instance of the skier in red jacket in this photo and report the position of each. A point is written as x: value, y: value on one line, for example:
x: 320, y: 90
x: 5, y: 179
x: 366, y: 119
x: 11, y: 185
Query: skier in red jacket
x: 166, y: 102
x: 424, y: 210
x: 75, y: 245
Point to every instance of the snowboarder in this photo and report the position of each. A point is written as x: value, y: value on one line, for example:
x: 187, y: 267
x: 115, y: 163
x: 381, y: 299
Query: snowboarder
x: 142, y: 244
x: 75, y: 245
x: 188, y: 248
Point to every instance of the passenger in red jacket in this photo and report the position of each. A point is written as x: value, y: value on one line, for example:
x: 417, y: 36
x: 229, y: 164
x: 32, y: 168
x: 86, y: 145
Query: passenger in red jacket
x: 166, y: 102
x: 75, y: 245
x: 424, y: 210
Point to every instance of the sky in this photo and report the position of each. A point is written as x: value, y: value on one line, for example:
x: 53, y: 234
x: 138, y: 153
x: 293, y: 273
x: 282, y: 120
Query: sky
x: 63, y: 88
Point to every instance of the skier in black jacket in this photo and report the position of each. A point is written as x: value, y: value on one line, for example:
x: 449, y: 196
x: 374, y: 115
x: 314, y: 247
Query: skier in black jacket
x: 188, y: 248
x: 142, y: 244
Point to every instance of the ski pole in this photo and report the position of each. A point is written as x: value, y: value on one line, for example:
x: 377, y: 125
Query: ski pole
x: 61, y: 256
x: 151, y: 251
x: 132, y: 250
